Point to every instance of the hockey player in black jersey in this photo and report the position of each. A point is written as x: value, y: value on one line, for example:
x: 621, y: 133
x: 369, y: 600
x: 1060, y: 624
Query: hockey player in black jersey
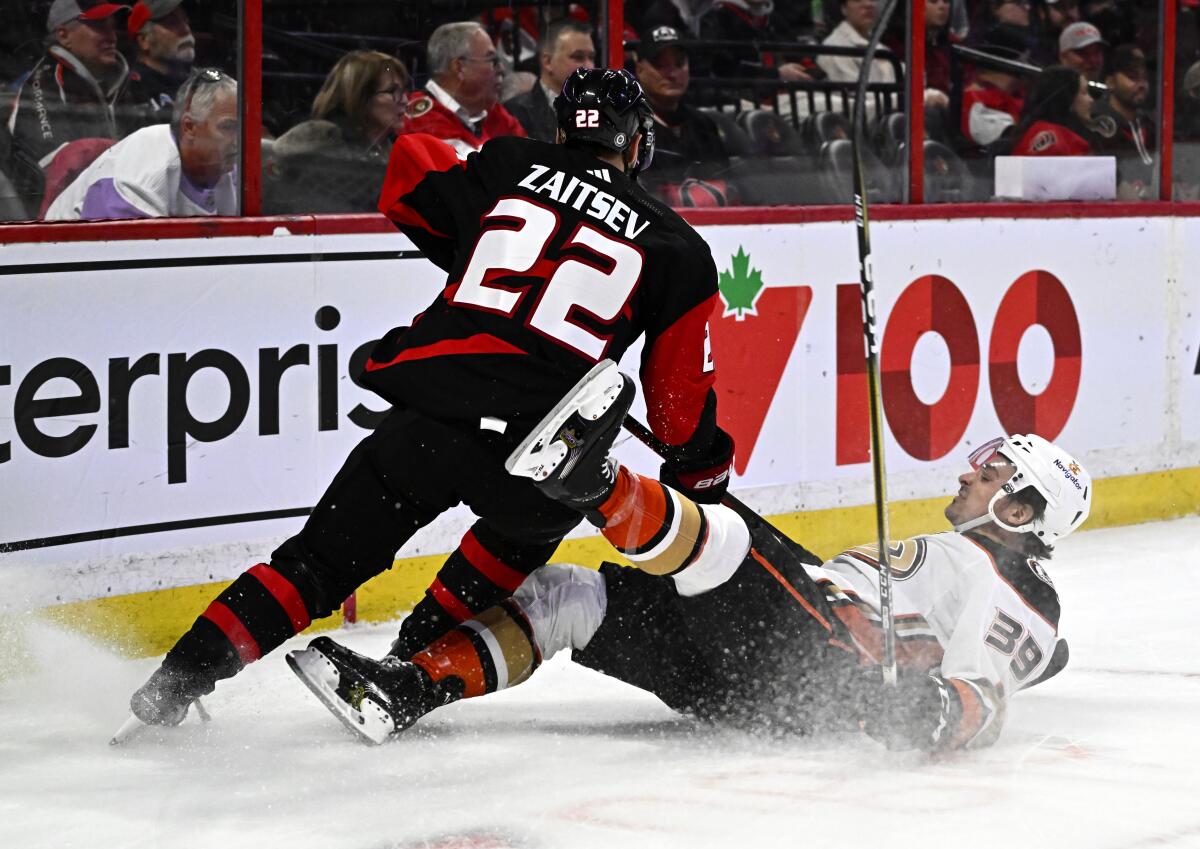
x: 726, y: 620
x: 555, y: 259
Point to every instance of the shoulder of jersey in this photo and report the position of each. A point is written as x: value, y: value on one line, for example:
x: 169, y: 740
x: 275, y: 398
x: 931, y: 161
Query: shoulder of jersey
x: 1027, y: 578
x: 419, y: 104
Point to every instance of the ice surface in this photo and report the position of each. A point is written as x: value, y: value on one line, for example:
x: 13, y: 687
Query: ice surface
x: 1103, y: 757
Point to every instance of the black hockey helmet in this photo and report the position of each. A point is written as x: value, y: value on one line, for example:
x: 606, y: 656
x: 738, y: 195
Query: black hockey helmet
x: 607, y: 108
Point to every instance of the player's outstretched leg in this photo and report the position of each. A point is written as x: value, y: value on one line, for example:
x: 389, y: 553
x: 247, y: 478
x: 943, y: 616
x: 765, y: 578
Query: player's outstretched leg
x: 566, y: 454
x: 556, y: 607
x: 658, y: 529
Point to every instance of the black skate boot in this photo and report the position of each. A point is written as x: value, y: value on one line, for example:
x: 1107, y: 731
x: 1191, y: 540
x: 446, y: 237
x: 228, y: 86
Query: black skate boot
x: 566, y: 455
x: 376, y: 699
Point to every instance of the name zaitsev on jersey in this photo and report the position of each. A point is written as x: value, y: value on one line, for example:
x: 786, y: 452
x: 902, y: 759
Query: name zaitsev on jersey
x: 555, y: 260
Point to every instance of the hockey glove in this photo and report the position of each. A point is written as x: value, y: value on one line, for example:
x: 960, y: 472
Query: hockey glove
x: 703, y: 478
x: 920, y: 712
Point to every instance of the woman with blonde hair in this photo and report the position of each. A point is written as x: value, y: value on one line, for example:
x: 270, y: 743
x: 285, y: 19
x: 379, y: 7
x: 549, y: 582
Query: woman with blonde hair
x: 366, y: 94
x: 335, y: 162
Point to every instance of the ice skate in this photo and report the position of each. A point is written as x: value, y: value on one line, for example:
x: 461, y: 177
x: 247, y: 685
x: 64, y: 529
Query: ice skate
x: 163, y: 700
x: 566, y: 455
x: 376, y: 699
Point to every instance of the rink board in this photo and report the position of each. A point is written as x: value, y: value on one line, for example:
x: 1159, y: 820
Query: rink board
x: 169, y: 409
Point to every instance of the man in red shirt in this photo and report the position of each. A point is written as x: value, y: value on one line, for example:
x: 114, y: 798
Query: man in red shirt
x: 460, y: 103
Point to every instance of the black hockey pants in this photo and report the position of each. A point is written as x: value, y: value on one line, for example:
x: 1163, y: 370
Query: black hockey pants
x: 396, y: 481
x: 754, y: 652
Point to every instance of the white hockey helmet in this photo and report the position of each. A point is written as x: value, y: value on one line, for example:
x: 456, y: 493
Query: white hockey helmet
x: 1039, y: 463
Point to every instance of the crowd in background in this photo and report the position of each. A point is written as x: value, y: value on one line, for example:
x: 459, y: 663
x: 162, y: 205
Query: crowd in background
x: 107, y: 112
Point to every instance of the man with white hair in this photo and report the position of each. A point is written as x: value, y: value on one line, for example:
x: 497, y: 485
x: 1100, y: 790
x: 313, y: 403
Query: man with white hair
x: 727, y: 620
x: 166, y: 50
x: 460, y: 103
x: 184, y: 168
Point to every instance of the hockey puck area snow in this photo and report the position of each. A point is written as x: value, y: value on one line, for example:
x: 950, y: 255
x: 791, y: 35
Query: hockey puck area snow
x: 1104, y: 756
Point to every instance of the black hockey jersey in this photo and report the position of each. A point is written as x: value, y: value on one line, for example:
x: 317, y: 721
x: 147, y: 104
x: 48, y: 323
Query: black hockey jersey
x: 555, y: 260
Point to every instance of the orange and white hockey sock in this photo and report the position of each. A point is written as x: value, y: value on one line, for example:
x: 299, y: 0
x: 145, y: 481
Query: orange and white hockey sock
x: 493, y: 651
x: 665, y: 533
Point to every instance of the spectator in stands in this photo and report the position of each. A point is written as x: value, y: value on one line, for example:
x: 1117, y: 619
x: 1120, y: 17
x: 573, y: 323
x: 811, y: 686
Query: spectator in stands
x: 749, y: 21
x: 991, y: 102
x: 184, y: 168
x: 1055, y: 118
x: 460, y: 102
x: 683, y: 16
x: 1122, y: 127
x: 1015, y: 13
x: 336, y: 161
x: 689, y: 157
x: 1051, y: 17
x: 166, y: 50
x: 366, y: 96
x: 1080, y: 46
x: 938, y: 57
x: 73, y: 92
x: 566, y: 45
x: 857, y: 19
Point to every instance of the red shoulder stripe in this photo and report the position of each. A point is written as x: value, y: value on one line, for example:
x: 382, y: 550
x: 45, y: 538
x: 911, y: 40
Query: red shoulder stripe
x: 480, y: 343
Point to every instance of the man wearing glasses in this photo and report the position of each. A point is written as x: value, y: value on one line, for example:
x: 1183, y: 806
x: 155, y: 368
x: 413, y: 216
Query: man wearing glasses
x: 460, y: 103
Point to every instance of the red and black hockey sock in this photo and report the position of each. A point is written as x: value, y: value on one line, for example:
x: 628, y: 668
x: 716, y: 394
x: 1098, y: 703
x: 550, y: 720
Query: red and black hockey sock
x: 483, y: 570
x: 490, y: 652
x: 264, y: 607
x: 656, y: 528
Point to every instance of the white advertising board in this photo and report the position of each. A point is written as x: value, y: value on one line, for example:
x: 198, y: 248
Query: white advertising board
x: 159, y: 396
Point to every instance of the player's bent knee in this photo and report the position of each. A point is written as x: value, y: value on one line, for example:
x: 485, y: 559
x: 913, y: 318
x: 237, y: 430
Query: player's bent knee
x: 565, y: 605
x: 726, y: 547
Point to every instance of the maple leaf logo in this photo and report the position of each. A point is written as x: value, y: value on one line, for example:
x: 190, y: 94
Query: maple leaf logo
x: 740, y: 287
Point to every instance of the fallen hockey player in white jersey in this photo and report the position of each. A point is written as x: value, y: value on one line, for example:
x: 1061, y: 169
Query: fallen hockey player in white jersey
x: 727, y: 621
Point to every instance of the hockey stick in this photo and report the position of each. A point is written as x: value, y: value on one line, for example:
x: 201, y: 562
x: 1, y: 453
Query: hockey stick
x: 862, y: 224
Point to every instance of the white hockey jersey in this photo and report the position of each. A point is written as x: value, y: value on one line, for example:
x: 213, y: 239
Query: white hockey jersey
x: 141, y: 176
x: 981, y: 616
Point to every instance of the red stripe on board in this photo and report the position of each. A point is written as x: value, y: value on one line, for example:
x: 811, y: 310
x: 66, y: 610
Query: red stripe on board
x: 233, y: 629
x: 480, y: 343
x: 284, y: 592
x: 490, y: 566
x: 449, y: 601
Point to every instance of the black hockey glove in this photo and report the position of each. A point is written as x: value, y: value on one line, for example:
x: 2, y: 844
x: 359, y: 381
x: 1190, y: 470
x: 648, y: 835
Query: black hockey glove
x: 920, y: 712
x: 703, y: 477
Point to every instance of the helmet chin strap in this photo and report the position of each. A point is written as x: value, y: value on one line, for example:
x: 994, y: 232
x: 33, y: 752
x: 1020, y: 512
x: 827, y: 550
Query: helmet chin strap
x: 990, y: 517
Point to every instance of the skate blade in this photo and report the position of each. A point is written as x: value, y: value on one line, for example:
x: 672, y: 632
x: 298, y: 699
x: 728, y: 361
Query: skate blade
x: 539, y: 454
x: 128, y: 730
x: 370, y: 722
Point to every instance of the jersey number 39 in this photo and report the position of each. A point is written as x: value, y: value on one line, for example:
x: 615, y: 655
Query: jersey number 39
x: 1005, y: 635
x: 573, y: 285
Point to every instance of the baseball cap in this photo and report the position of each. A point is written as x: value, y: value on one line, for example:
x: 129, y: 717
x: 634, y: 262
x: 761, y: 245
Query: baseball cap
x: 65, y: 11
x: 1078, y: 36
x: 150, y: 10
x: 659, y: 40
